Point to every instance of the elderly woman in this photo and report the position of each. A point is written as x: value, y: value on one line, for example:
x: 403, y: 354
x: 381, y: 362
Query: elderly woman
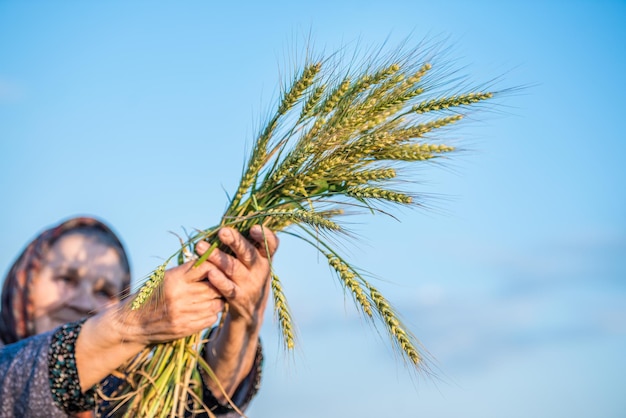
x: 64, y: 326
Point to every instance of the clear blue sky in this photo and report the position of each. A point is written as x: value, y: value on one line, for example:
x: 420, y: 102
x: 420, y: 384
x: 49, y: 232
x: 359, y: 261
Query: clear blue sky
x: 141, y: 113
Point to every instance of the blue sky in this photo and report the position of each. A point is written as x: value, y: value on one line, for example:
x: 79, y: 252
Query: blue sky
x: 141, y: 113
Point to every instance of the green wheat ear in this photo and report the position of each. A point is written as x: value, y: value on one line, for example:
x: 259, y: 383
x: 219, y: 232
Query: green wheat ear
x: 281, y: 310
x: 451, y: 101
x: 260, y: 151
x: 351, y: 281
x: 379, y: 194
x: 394, y: 326
x: 148, y: 288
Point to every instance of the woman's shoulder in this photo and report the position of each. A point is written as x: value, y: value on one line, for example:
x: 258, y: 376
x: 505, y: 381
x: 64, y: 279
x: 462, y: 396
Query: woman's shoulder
x: 31, y: 344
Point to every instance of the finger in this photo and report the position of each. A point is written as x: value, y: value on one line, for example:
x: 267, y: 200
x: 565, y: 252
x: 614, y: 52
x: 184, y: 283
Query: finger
x: 244, y: 250
x: 202, y: 247
x: 203, y: 315
x: 200, y: 311
x: 192, y: 273
x: 180, y: 295
x: 223, y: 284
x: 266, y: 239
x: 230, y: 266
x: 199, y: 306
x: 202, y: 291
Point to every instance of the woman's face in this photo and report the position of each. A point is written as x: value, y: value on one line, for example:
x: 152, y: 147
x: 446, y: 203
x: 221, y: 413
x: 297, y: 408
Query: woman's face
x: 81, y: 273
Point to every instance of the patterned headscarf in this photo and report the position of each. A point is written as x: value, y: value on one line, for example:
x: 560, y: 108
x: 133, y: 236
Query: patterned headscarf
x: 16, y: 317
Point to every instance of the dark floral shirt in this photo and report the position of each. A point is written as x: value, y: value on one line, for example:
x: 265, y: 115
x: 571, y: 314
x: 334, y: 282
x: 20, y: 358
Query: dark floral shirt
x: 38, y: 378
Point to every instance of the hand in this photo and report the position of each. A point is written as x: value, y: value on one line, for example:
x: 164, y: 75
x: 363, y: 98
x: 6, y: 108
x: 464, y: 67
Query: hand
x: 184, y: 303
x: 243, y: 280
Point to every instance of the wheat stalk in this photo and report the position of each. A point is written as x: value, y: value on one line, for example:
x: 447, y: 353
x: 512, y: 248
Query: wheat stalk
x: 334, y: 143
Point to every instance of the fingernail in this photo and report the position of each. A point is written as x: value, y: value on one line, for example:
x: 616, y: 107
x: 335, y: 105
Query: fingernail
x: 202, y: 245
x: 226, y: 234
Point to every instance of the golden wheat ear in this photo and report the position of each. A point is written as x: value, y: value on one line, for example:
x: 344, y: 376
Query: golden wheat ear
x: 282, y: 314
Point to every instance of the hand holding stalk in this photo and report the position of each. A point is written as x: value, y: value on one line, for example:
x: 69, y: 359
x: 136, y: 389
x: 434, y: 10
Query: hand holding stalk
x: 340, y: 140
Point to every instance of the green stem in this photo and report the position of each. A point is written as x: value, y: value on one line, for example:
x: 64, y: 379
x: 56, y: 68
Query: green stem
x: 206, y: 255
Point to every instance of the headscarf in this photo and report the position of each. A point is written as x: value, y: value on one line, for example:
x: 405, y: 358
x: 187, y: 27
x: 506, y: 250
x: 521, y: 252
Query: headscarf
x: 16, y: 316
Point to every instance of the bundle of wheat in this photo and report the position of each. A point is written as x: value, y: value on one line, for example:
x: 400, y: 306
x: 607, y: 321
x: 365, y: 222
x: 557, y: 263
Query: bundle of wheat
x: 338, y: 141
